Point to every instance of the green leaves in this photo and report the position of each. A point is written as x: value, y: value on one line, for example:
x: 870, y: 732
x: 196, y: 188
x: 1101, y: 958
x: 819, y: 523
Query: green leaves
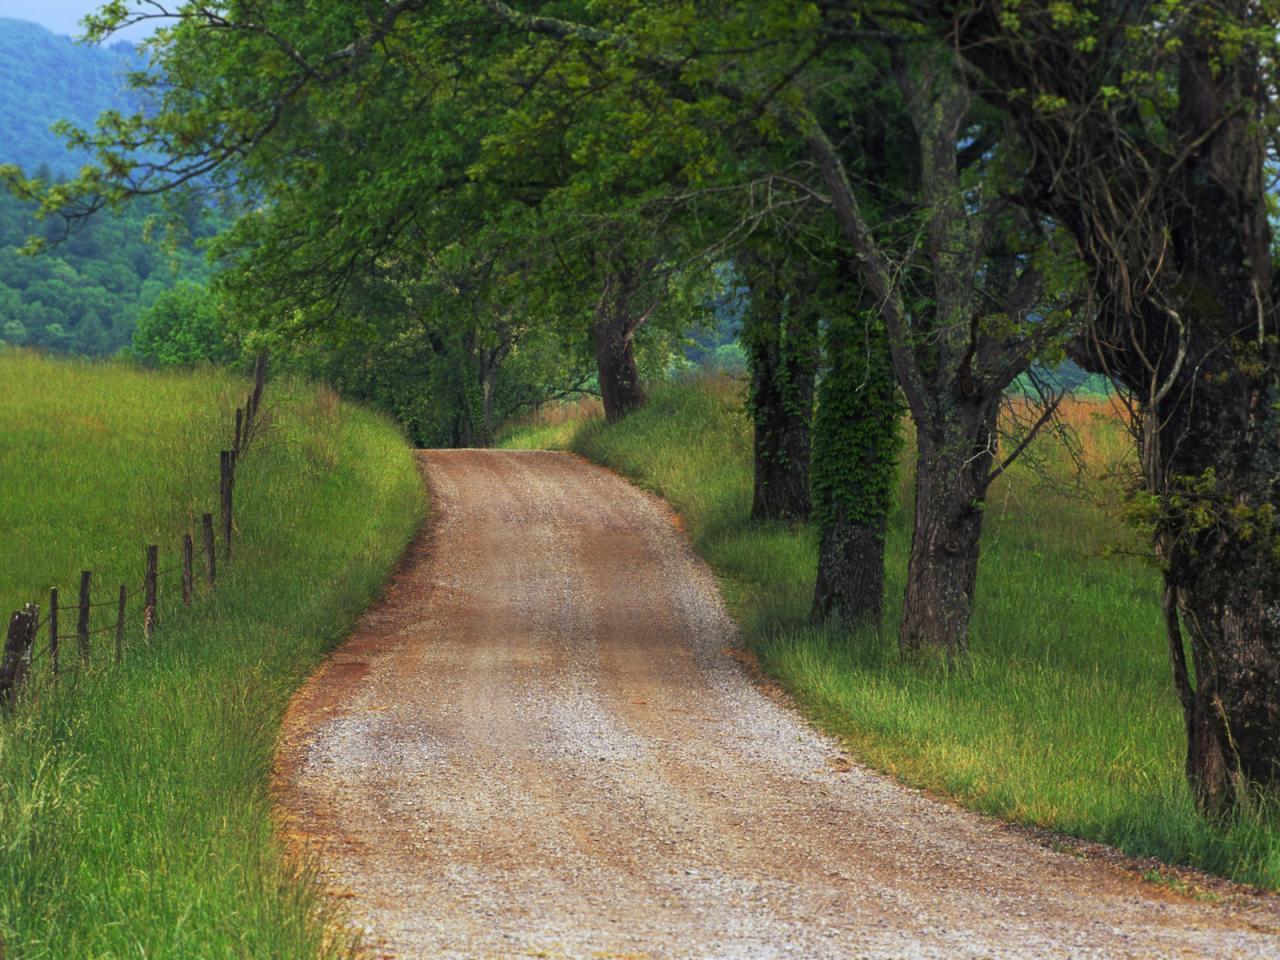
x: 184, y: 326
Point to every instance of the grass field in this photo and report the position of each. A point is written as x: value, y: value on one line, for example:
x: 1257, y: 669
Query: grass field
x: 135, y: 819
x: 1065, y: 718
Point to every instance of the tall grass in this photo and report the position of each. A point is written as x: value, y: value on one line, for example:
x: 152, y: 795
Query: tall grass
x: 135, y: 819
x: 1065, y: 717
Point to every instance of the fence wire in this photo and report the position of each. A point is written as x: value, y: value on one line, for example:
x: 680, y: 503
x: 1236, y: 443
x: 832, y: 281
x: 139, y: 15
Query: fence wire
x: 256, y: 419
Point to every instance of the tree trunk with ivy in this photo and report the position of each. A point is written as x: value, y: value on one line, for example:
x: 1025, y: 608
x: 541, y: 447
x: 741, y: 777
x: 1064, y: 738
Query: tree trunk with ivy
x: 951, y: 361
x: 856, y: 440
x: 1171, y: 219
x: 781, y: 340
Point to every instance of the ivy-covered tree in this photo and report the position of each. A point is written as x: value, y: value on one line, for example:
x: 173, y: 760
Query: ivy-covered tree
x: 780, y: 337
x: 857, y: 437
x: 971, y: 317
x: 968, y: 325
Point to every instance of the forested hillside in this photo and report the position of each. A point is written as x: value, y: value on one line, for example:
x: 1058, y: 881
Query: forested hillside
x: 83, y: 295
x: 45, y: 78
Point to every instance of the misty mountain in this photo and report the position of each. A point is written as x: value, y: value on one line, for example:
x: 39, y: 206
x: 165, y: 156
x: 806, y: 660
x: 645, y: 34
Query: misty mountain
x: 44, y: 78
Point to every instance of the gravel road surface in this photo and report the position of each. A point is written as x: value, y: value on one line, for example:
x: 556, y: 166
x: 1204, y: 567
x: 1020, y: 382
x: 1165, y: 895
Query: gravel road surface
x: 540, y: 744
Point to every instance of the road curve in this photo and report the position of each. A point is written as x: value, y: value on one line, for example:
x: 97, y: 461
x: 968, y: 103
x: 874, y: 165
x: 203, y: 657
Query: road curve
x: 539, y: 744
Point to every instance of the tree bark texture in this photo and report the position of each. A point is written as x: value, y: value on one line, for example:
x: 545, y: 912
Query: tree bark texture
x: 850, y: 584
x: 953, y: 463
x: 952, y: 371
x: 620, y: 388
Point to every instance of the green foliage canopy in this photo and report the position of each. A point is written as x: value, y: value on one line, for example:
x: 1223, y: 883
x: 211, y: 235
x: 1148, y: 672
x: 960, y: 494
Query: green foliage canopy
x: 184, y: 326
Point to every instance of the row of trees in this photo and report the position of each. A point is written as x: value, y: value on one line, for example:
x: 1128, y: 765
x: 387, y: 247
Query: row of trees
x: 930, y: 196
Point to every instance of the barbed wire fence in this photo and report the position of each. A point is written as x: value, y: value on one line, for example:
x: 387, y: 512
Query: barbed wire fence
x: 138, y: 602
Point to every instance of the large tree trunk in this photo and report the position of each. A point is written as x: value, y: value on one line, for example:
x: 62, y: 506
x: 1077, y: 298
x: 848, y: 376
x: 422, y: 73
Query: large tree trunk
x: 613, y: 335
x: 850, y: 584
x: 950, y: 364
x: 466, y: 429
x: 1213, y: 445
x: 620, y: 388
x: 857, y: 437
x: 1211, y: 454
x: 781, y: 339
x: 953, y: 463
x: 781, y: 478
x: 1211, y: 457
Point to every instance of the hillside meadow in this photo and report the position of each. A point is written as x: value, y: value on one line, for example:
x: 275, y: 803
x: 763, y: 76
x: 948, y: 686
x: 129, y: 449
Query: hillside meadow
x: 1065, y: 717
x: 135, y: 818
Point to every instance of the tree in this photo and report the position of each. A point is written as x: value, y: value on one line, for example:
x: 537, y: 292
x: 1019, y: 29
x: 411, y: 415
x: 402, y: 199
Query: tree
x: 628, y: 298
x: 857, y: 438
x: 780, y: 336
x: 954, y: 349
x: 1148, y: 128
x: 91, y: 284
x: 1140, y: 129
x: 13, y: 331
x: 184, y: 326
x: 90, y: 338
x: 306, y: 118
x: 567, y: 136
x: 972, y: 320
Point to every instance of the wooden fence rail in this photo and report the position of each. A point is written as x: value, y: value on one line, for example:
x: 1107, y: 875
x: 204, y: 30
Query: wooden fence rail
x: 19, y: 649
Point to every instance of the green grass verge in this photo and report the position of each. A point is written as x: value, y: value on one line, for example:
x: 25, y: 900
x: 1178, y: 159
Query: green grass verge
x: 135, y: 819
x: 1065, y: 717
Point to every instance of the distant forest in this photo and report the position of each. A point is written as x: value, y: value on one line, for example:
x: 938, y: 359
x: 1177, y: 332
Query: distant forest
x: 45, y: 78
x: 84, y: 295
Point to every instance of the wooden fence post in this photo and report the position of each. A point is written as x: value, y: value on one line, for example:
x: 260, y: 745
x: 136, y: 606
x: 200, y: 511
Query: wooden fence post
x: 17, y: 653
x: 210, y: 555
x: 124, y: 596
x: 149, y: 614
x: 82, y: 624
x: 225, y: 491
x: 53, y: 630
x: 188, y: 571
x: 239, y: 428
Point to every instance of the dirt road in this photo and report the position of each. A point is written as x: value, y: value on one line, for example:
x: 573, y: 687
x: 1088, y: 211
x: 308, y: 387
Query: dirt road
x: 538, y: 745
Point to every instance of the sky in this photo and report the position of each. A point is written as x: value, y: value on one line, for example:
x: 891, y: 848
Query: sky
x: 63, y: 16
